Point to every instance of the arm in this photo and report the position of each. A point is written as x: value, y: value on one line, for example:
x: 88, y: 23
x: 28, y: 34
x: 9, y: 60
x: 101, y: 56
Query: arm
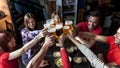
x: 89, y: 43
x: 26, y: 47
x: 63, y: 53
x: 92, y: 36
x: 95, y: 62
x: 37, y: 59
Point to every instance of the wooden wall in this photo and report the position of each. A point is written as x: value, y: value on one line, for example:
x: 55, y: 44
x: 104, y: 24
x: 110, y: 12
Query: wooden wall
x: 5, y: 9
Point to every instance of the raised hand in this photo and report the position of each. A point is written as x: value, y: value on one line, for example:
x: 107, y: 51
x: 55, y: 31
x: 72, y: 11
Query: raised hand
x: 49, y: 40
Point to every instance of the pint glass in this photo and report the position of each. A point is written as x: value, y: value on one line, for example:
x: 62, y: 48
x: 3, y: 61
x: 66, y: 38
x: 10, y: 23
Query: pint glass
x: 59, y: 29
x: 66, y: 30
x: 69, y: 23
x: 52, y: 31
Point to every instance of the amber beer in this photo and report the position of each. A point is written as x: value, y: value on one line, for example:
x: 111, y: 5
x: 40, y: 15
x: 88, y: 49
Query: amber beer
x: 69, y: 23
x: 59, y: 29
x: 52, y: 31
x: 66, y: 30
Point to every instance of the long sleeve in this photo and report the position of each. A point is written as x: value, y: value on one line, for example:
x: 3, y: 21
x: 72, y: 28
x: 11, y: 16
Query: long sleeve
x: 95, y: 62
x: 65, y: 59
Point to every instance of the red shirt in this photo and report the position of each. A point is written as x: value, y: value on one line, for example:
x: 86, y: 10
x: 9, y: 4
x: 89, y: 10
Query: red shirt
x: 5, y: 63
x: 114, y: 51
x: 65, y: 59
x: 83, y: 26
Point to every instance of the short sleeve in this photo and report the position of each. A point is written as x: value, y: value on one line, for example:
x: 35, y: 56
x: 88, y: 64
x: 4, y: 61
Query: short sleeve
x: 4, y: 57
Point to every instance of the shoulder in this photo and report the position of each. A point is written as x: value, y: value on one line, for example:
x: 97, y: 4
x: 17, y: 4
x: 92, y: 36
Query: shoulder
x: 4, y: 56
x: 82, y: 24
x: 24, y: 31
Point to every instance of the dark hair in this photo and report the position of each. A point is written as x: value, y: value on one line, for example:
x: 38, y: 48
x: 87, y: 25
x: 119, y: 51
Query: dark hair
x: 95, y: 13
x: 5, y: 37
x: 26, y: 19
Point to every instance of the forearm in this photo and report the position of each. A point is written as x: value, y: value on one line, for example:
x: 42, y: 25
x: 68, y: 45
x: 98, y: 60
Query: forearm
x: 65, y: 58
x: 95, y: 62
x: 87, y: 35
x: 26, y: 47
x: 89, y: 43
x: 36, y: 60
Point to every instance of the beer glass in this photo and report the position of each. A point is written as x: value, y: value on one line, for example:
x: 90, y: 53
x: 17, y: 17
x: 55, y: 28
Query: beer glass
x: 52, y: 31
x: 69, y: 23
x: 59, y: 29
x: 50, y: 21
x: 66, y: 30
x: 46, y: 25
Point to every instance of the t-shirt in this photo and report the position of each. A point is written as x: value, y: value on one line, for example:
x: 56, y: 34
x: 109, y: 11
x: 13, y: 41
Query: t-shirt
x: 5, y: 63
x: 83, y: 27
x: 114, y: 51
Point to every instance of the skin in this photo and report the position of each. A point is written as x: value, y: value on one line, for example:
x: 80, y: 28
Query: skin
x: 17, y: 53
x: 92, y: 22
x: 37, y: 59
x: 101, y: 38
x: 95, y: 37
x: 31, y: 23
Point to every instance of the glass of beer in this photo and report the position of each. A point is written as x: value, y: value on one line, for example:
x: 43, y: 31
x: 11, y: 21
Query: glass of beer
x: 46, y: 25
x: 69, y: 23
x: 59, y: 29
x: 66, y: 30
x: 51, y: 22
x: 52, y: 31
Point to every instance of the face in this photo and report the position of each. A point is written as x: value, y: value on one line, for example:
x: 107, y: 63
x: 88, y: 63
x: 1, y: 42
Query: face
x: 12, y: 43
x: 56, y: 17
x: 31, y: 23
x: 92, y: 22
x: 117, y: 37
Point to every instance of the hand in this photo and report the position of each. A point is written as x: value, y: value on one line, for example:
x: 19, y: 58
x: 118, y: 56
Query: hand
x: 43, y: 64
x: 49, y: 40
x: 61, y: 39
x: 43, y: 32
x: 71, y: 35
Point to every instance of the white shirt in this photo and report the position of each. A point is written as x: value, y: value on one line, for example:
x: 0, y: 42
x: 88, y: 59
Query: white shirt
x: 95, y: 62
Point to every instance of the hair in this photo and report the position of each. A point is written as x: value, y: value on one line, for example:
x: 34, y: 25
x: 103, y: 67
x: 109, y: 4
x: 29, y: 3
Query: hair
x: 26, y: 19
x: 5, y: 37
x: 55, y: 13
x: 95, y: 13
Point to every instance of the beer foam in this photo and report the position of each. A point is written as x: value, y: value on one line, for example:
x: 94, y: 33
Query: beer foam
x: 68, y: 22
x: 58, y: 26
x: 51, y: 30
x: 66, y: 27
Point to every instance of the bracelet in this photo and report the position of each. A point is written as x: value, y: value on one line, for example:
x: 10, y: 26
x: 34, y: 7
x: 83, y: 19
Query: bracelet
x: 36, y: 39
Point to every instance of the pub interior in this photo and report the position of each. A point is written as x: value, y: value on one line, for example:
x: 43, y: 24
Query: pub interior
x: 71, y: 13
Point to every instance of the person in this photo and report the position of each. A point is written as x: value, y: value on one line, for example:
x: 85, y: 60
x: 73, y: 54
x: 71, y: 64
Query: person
x: 56, y: 16
x: 92, y: 58
x: 8, y: 54
x: 37, y: 59
x: 114, y: 44
x: 28, y: 33
x: 92, y: 25
x: 65, y: 60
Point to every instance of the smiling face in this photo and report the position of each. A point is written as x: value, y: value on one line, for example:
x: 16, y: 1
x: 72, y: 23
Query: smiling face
x: 31, y: 23
x: 117, y: 37
x: 92, y: 22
